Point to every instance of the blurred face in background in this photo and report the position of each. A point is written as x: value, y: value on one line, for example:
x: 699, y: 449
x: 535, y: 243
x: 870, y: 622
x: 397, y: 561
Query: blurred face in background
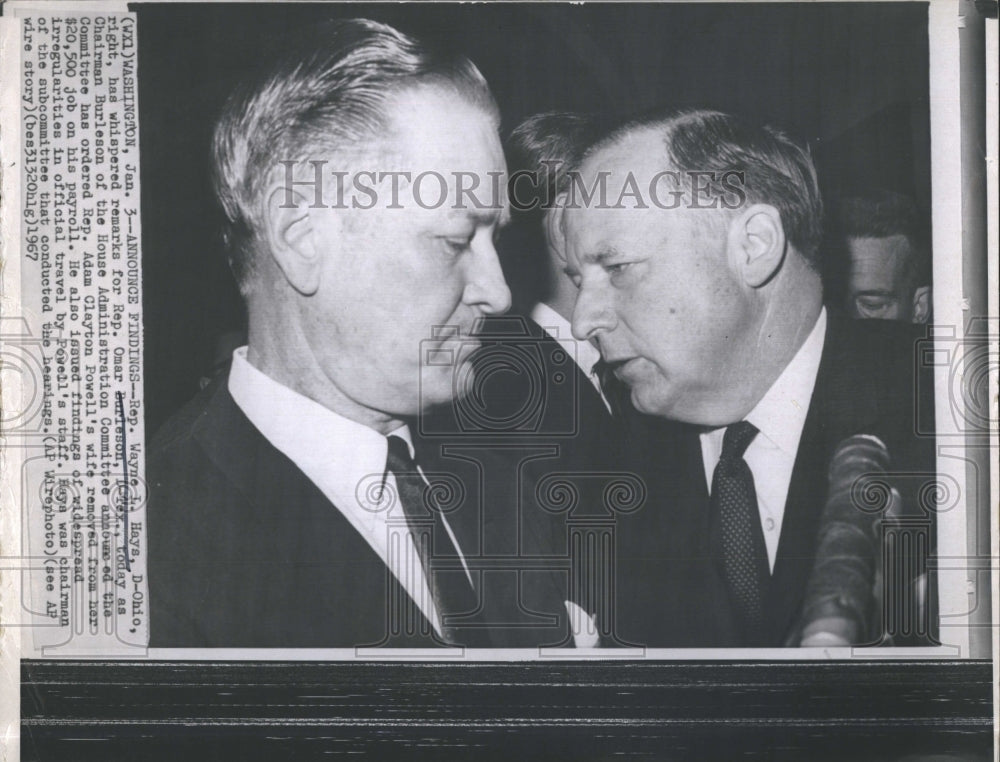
x: 881, y: 283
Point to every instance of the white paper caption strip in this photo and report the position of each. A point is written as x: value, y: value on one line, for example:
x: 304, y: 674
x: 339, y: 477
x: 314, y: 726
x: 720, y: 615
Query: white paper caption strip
x: 83, y: 495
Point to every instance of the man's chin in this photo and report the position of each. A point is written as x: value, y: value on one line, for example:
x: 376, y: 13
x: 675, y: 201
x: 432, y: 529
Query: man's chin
x: 651, y: 399
x: 641, y: 403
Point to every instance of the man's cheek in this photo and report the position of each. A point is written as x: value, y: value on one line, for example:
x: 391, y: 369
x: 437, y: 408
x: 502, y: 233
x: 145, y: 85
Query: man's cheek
x: 437, y: 376
x: 644, y: 397
x: 655, y: 383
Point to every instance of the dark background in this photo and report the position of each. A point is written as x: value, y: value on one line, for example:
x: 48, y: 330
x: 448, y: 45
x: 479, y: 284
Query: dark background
x: 849, y: 79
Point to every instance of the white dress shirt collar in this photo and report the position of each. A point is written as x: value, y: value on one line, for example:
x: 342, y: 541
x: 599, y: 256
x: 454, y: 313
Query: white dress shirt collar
x: 346, y: 460
x: 336, y: 453
x: 781, y: 413
x: 780, y: 417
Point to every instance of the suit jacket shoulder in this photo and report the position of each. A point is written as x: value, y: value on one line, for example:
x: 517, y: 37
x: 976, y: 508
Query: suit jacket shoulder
x: 670, y: 592
x: 872, y: 375
x: 244, y: 550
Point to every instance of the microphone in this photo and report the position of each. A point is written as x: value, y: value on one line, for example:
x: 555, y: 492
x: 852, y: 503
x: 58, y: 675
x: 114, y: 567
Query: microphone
x: 840, y: 601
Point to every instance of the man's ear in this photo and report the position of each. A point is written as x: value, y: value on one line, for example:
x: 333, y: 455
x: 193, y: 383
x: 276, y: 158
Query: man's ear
x: 922, y: 304
x: 756, y: 244
x: 289, y: 234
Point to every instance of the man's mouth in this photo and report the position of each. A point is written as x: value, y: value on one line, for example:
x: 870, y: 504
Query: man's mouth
x: 451, y: 350
x: 621, y: 366
x: 458, y: 334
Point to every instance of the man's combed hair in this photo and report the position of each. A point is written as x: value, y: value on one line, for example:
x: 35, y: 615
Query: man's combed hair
x: 881, y: 213
x: 541, y: 153
x: 547, y: 147
x: 877, y: 213
x: 324, y: 95
x: 776, y: 170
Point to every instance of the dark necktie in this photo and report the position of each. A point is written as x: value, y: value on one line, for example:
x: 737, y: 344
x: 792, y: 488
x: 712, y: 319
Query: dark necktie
x: 446, y: 578
x: 741, y: 548
x: 615, y: 391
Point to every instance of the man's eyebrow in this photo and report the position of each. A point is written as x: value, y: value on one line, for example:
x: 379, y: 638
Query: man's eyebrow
x: 604, y: 255
x: 487, y: 216
x: 874, y: 292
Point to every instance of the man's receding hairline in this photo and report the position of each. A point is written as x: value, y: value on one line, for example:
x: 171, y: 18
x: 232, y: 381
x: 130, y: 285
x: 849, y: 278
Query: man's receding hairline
x: 442, y: 90
x: 394, y: 120
x: 906, y: 259
x: 618, y: 140
x: 433, y: 83
x: 906, y: 237
x: 908, y: 255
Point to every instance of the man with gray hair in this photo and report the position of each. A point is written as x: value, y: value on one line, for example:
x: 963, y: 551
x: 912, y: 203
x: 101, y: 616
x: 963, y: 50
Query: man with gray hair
x: 693, y: 239
x: 288, y: 505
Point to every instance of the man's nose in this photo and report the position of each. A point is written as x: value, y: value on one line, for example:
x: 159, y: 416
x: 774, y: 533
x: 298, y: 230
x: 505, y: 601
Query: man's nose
x: 593, y: 314
x: 486, y: 287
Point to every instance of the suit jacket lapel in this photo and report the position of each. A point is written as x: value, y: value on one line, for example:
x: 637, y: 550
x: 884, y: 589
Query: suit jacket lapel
x: 270, y: 483
x: 495, y: 523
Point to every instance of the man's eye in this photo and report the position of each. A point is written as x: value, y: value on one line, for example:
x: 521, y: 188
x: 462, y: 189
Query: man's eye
x: 458, y: 245
x: 872, y: 304
x: 617, y: 269
x: 573, y: 275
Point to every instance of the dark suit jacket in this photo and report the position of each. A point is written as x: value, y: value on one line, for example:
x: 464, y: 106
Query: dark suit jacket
x: 244, y: 551
x: 669, y: 593
x: 529, y: 390
x: 537, y: 412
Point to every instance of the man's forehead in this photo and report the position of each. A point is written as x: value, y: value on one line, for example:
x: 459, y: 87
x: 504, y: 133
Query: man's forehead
x: 885, y: 247
x: 641, y: 153
x: 877, y: 266
x: 590, y: 236
x: 433, y: 124
x: 887, y: 254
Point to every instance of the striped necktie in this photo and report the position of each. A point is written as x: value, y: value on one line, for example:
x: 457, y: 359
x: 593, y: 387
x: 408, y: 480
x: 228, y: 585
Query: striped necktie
x: 449, y: 585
